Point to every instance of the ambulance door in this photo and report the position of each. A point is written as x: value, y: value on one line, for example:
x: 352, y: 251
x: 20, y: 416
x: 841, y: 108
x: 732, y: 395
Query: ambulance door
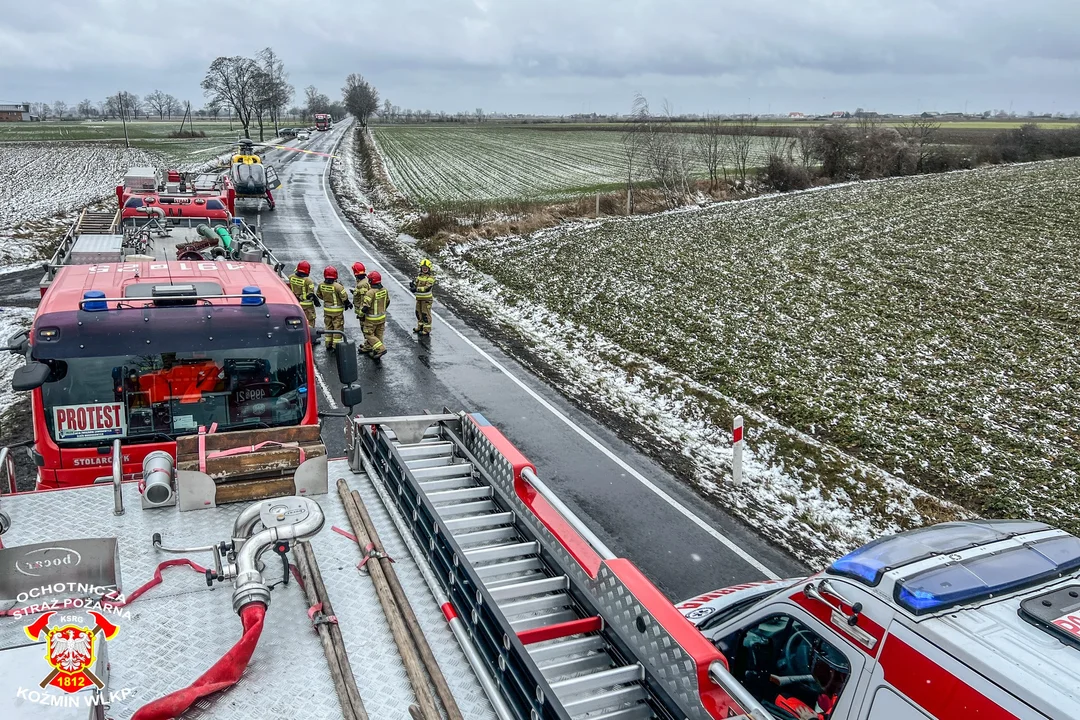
x: 794, y: 665
x: 886, y: 704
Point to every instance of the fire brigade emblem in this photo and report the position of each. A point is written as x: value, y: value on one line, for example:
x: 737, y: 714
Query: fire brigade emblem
x: 71, y: 651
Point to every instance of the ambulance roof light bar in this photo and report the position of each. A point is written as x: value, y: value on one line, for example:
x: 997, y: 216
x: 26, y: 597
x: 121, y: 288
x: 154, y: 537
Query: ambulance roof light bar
x: 870, y: 562
x: 984, y: 576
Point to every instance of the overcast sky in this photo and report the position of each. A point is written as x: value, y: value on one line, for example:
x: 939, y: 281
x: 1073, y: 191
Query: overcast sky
x: 566, y: 56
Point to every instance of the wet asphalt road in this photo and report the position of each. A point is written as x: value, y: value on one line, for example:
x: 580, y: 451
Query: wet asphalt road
x: 459, y: 372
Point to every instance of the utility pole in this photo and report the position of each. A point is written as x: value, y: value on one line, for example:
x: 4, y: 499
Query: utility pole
x: 123, y: 118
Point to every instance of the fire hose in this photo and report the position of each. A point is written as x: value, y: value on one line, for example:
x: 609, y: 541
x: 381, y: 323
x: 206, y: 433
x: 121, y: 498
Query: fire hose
x: 251, y: 597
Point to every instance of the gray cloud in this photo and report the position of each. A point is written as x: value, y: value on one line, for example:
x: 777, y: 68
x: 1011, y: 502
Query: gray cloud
x: 567, y: 56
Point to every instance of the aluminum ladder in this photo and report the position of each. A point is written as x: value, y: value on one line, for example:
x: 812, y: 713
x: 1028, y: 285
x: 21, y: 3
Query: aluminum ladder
x: 578, y: 671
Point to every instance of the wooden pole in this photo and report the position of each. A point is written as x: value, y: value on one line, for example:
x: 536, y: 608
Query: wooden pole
x: 330, y: 634
x: 413, y: 668
x: 442, y: 689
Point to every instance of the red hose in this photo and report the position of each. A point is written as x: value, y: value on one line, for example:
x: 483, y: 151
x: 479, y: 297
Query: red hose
x: 222, y: 675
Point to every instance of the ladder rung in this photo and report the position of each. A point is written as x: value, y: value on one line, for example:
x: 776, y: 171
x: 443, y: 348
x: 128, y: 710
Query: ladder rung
x: 479, y: 521
x: 452, y: 483
x: 535, y: 621
x: 609, y: 699
x: 421, y: 463
x: 431, y: 432
x: 460, y: 494
x: 443, y: 471
x: 562, y: 630
x: 514, y: 566
x: 640, y: 711
x: 516, y: 578
x: 537, y: 604
x: 425, y: 450
x: 575, y: 666
x: 531, y: 587
x: 598, y: 681
x: 558, y: 650
x: 468, y: 508
x: 485, y: 536
x: 502, y: 552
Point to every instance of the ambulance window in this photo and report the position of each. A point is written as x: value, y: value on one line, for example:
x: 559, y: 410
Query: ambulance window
x: 890, y: 706
x: 791, y: 670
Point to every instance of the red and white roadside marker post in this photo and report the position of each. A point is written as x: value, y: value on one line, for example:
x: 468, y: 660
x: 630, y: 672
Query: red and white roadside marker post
x: 736, y: 449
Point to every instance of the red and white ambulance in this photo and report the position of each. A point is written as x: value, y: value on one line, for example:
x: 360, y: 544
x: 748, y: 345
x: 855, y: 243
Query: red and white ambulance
x: 959, y: 621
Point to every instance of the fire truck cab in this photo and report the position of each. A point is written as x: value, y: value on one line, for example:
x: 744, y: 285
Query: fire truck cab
x: 959, y: 620
x: 147, y: 351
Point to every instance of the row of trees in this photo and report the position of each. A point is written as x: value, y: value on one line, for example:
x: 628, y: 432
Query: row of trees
x: 255, y: 90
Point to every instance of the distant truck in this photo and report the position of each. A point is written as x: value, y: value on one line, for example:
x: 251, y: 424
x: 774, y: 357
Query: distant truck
x: 323, y: 122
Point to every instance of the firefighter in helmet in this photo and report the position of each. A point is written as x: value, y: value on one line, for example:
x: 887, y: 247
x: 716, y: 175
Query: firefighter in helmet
x: 303, y: 287
x: 373, y: 316
x: 422, y: 287
x: 335, y: 301
x: 362, y: 286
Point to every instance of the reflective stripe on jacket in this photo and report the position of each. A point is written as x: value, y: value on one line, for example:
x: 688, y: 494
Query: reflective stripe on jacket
x: 333, y: 296
x: 424, y: 283
x: 376, y: 301
x: 303, y: 288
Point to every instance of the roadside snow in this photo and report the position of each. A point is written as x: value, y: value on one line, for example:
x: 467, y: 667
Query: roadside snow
x: 12, y: 320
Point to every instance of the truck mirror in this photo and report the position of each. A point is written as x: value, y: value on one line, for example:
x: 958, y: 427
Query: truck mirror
x: 351, y: 395
x: 19, y: 343
x: 30, y: 376
x: 347, y: 369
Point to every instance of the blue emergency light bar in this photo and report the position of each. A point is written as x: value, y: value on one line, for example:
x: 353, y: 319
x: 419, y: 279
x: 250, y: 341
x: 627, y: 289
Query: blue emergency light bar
x: 982, y: 577
x: 871, y: 561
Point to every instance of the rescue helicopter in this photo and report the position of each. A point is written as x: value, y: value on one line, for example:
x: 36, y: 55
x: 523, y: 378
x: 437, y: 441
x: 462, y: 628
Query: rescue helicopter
x: 252, y: 179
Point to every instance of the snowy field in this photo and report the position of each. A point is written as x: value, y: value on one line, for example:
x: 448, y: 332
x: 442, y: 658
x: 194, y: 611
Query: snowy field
x: 890, y: 343
x: 433, y: 165
x: 44, y: 184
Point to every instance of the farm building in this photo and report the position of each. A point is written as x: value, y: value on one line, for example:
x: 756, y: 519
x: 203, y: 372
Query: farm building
x: 15, y: 112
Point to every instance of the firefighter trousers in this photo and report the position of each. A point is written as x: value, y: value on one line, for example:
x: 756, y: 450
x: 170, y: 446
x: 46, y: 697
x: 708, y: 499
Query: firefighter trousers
x: 423, y: 315
x: 309, y: 313
x: 373, y: 337
x: 334, y: 320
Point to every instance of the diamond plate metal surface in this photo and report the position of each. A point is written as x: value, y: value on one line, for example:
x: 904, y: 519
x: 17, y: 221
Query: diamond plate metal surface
x: 663, y: 658
x: 180, y: 628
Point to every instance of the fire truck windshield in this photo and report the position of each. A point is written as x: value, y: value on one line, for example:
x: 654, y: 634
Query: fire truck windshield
x: 141, y: 374
x: 172, y: 393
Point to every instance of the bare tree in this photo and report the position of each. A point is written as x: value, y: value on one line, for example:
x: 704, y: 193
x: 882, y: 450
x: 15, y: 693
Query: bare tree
x: 665, y: 155
x: 59, y: 108
x: 172, y: 106
x: 631, y: 143
x: 742, y: 133
x: 710, y: 147
x: 278, y: 91
x: 86, y: 108
x: 804, y: 143
x: 835, y: 147
x: 231, y: 81
x: 479, y: 115
x: 360, y: 98
x: 155, y: 103
x: 920, y: 134
x: 315, y: 101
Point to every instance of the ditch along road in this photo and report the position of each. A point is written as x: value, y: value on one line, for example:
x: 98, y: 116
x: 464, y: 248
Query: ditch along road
x: 639, y: 510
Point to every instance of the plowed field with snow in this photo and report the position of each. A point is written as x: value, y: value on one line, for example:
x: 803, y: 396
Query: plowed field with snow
x: 904, y: 351
x: 433, y: 165
x: 44, y: 183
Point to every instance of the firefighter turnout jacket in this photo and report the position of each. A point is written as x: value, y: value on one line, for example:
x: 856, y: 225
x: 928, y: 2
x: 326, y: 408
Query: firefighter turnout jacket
x: 303, y: 288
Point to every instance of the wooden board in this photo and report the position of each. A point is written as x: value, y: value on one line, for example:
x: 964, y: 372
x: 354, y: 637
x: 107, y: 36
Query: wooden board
x: 251, y: 490
x: 189, y: 444
x: 269, y: 461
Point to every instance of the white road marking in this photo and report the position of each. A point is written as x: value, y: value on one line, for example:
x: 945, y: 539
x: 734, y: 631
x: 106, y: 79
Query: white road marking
x: 660, y: 492
x: 325, y: 389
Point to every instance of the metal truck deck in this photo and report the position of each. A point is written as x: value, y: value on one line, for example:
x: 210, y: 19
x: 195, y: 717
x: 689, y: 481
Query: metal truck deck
x: 180, y: 628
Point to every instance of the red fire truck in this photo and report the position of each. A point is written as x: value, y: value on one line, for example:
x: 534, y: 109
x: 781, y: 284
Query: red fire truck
x: 323, y: 121
x: 169, y: 316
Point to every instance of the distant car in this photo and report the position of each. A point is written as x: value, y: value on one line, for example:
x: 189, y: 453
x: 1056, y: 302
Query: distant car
x: 303, y: 135
x: 288, y: 132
